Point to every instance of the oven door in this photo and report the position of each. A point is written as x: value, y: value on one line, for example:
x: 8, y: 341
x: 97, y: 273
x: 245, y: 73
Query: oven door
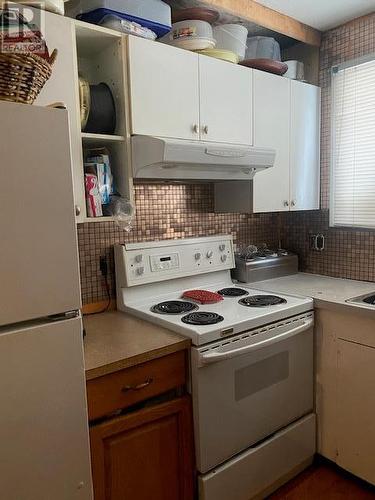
x: 249, y: 386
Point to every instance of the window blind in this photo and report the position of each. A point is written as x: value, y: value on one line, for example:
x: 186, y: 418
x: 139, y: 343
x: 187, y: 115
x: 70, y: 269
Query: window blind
x: 352, y: 200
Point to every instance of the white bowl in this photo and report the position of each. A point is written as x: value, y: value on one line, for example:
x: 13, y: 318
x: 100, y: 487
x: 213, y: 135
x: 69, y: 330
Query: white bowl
x: 231, y: 37
x: 295, y: 70
x: 262, y: 47
x: 191, y: 35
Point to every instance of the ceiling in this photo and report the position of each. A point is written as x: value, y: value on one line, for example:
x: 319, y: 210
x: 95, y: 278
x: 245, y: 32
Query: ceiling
x: 322, y: 14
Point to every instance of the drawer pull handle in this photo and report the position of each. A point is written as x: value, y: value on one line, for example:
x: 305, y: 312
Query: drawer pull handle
x: 137, y: 387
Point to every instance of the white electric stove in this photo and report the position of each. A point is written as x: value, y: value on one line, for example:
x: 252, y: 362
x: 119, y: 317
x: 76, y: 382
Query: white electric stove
x: 251, y: 361
x: 152, y: 277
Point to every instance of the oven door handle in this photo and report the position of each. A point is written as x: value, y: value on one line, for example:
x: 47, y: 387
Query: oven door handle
x: 212, y: 357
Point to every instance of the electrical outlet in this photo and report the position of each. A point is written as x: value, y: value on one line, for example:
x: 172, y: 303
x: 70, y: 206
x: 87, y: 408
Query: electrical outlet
x: 103, y: 265
x: 317, y: 242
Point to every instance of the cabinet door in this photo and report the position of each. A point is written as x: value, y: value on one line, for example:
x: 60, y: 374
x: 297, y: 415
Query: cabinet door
x: 144, y: 455
x: 305, y: 146
x: 272, y: 129
x: 356, y: 409
x: 62, y: 87
x: 225, y: 102
x: 164, y: 90
x: 325, y: 333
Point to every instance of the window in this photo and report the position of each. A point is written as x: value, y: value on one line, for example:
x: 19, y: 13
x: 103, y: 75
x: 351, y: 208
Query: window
x: 352, y: 200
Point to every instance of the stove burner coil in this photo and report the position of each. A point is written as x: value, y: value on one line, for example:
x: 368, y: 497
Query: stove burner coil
x: 202, y: 318
x: 261, y: 301
x: 370, y: 300
x: 174, y: 307
x: 233, y: 292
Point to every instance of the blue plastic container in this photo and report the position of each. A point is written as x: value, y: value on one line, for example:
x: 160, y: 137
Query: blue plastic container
x: 95, y: 16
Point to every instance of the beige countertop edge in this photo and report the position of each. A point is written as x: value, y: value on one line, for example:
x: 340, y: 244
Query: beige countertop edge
x: 344, y: 307
x: 138, y: 359
x: 116, y: 340
x: 334, y: 293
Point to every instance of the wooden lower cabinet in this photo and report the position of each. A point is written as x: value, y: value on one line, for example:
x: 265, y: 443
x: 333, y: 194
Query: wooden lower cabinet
x: 145, y: 455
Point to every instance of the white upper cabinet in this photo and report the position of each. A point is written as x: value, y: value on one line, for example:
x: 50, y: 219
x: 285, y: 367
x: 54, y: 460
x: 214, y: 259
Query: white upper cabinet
x: 176, y: 93
x: 226, y: 113
x: 272, y: 129
x: 59, y: 34
x: 287, y: 118
x: 164, y: 90
x: 304, y: 146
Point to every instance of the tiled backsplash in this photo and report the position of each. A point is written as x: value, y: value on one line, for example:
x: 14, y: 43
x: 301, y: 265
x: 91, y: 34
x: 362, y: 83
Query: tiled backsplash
x: 165, y: 212
x: 348, y: 253
x: 180, y: 211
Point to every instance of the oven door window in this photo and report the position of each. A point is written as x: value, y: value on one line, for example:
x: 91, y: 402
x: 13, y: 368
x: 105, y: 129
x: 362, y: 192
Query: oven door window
x: 258, y: 376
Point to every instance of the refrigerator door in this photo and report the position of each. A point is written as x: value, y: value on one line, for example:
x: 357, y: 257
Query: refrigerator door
x: 44, y: 444
x: 39, y: 270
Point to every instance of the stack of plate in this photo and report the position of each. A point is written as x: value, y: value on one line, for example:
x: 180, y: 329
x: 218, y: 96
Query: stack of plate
x: 97, y: 108
x: 225, y: 55
x: 263, y: 53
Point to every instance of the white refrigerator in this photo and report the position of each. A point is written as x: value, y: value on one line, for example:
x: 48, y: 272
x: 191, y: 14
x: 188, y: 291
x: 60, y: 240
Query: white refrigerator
x: 44, y: 443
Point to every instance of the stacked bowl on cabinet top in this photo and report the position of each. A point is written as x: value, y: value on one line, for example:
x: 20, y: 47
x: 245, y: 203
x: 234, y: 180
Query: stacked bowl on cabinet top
x: 193, y: 29
x: 198, y: 29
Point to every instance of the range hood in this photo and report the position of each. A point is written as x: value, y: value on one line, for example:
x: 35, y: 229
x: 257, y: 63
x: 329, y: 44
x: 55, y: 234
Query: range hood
x: 162, y: 158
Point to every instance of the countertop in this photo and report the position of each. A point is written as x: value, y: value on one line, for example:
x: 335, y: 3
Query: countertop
x: 325, y: 291
x: 115, y: 340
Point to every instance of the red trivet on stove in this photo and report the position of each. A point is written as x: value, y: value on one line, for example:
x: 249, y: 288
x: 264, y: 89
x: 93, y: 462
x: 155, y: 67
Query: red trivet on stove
x: 202, y: 296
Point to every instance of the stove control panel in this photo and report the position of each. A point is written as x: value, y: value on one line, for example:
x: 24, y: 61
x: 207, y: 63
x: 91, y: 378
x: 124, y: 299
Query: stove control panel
x: 164, y: 262
x: 141, y: 263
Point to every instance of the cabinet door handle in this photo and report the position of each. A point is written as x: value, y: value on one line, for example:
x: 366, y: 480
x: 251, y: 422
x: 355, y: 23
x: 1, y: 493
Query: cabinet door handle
x: 286, y: 203
x: 78, y: 210
x: 137, y: 387
x: 293, y: 203
x: 196, y: 129
x: 205, y: 129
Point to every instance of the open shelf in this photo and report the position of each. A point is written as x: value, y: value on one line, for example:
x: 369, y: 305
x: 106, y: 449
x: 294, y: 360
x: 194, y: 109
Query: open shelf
x: 88, y: 139
x: 92, y: 39
x: 101, y: 59
x: 104, y: 218
x: 116, y: 150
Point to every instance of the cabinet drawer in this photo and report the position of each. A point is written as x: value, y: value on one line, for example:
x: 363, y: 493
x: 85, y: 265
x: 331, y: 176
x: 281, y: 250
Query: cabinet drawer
x: 132, y: 385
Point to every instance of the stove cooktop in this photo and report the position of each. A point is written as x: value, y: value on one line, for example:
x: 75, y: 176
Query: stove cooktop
x: 209, y: 322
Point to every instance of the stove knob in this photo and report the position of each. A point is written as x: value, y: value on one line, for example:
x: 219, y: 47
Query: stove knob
x: 223, y: 258
x: 209, y: 254
x: 197, y: 256
x: 138, y: 258
x: 140, y: 271
x: 222, y: 247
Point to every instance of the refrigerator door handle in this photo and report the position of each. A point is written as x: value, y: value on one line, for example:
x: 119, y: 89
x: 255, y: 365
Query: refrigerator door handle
x: 64, y: 316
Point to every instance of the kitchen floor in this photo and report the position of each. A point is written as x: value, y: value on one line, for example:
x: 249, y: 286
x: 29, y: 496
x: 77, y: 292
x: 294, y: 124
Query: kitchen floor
x: 324, y: 481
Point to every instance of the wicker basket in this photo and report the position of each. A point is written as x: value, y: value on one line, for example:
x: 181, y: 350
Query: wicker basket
x: 22, y: 76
